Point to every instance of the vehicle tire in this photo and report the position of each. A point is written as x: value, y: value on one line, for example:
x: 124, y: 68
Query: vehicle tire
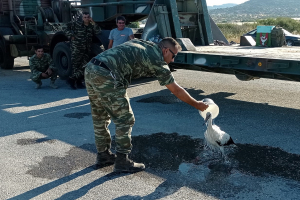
x: 6, y: 60
x: 95, y: 50
x: 62, y: 59
x: 289, y: 43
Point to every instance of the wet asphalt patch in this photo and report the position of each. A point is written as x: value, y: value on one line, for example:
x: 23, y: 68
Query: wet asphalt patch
x: 77, y: 115
x: 169, y: 151
x: 52, y: 167
x: 261, y: 160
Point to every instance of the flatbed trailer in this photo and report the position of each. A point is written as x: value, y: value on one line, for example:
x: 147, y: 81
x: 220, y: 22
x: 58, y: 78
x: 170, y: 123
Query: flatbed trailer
x: 246, y: 62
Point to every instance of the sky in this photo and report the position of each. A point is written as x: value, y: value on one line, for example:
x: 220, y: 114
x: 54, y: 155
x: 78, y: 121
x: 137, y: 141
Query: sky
x: 220, y: 2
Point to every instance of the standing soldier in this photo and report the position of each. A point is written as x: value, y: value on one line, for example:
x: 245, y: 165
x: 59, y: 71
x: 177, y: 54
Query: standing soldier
x: 41, y: 66
x: 108, y: 76
x: 80, y: 34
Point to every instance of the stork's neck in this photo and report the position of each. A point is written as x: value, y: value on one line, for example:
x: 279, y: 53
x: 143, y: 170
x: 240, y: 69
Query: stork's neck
x: 209, y: 123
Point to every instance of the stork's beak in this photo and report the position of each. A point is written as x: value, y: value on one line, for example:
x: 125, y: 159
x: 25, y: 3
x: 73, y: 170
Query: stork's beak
x: 207, y: 117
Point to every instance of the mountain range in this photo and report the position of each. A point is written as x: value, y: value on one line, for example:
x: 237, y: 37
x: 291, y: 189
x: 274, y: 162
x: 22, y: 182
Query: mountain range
x: 257, y: 9
x: 227, y: 5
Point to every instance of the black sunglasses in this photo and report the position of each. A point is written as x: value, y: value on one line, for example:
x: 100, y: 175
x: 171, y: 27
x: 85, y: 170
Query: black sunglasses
x: 174, y: 55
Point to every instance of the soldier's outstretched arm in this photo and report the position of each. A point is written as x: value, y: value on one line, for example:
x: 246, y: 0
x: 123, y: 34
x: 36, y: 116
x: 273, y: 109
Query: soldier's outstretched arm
x: 184, y: 96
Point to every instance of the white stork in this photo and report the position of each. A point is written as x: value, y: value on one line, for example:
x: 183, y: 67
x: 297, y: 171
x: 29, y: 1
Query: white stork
x: 215, y: 138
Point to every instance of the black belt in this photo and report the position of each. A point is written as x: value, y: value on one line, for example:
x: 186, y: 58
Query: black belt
x: 98, y: 62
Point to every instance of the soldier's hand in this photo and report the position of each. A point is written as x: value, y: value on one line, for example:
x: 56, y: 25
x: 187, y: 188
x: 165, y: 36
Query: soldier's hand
x: 49, y: 71
x: 72, y: 38
x: 201, y: 106
x: 44, y: 75
x: 92, y: 21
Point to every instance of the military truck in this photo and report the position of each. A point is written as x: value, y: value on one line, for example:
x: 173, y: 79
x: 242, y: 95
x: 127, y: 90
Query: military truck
x: 25, y: 23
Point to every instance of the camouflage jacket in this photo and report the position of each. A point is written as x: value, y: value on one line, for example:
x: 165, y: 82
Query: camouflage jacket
x: 40, y: 65
x: 83, y: 34
x: 136, y: 58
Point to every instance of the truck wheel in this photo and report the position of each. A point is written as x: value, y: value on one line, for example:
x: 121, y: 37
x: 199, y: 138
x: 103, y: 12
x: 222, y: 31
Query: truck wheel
x: 62, y: 59
x: 6, y: 60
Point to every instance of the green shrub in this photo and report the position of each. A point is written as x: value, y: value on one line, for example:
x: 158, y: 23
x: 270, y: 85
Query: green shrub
x: 233, y: 32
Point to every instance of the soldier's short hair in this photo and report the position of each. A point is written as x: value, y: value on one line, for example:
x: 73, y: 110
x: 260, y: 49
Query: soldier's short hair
x: 85, y: 13
x: 120, y: 18
x: 169, y: 42
x: 38, y: 47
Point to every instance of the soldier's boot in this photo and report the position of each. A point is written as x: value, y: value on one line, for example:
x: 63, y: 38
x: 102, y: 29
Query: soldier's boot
x: 53, y: 85
x: 71, y: 82
x: 105, y: 158
x: 124, y: 164
x: 38, y: 85
x: 79, y: 84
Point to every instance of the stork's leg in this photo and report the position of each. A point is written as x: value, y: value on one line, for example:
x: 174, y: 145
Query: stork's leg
x: 224, y: 156
x: 222, y: 151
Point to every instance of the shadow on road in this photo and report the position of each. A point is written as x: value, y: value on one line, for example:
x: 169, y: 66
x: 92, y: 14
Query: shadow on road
x: 70, y: 195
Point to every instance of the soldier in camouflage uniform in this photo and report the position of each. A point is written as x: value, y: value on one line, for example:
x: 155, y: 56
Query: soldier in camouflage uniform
x: 80, y: 34
x: 108, y: 75
x: 41, y: 66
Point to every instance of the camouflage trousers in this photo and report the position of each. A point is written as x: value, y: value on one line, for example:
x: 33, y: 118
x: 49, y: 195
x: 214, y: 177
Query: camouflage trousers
x: 79, y: 57
x: 108, y: 103
x: 37, y: 77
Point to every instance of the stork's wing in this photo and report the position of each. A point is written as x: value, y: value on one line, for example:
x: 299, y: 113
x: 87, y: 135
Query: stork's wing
x: 229, y: 142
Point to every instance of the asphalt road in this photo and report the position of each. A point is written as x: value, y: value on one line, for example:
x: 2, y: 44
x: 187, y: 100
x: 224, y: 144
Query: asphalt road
x: 47, y: 143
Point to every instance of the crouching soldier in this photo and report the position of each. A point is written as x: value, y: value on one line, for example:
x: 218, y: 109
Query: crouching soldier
x: 41, y: 66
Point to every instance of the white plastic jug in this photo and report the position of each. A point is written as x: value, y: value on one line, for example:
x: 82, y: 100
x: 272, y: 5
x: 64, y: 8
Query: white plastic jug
x: 212, y: 108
